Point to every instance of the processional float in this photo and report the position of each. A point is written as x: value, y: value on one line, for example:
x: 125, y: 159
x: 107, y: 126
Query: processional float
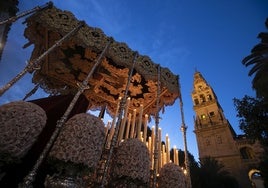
x: 73, y: 59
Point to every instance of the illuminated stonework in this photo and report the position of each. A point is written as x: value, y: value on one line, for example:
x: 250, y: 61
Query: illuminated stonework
x: 216, y: 137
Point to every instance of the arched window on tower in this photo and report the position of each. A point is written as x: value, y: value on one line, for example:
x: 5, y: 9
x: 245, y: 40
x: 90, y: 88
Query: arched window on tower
x: 247, y: 153
x: 202, y: 98
x: 211, y: 114
x: 207, y: 142
x: 209, y: 97
x: 196, y: 102
x: 218, y: 139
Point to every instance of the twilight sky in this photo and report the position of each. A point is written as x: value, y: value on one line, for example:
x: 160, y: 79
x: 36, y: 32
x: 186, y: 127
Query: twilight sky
x: 184, y: 35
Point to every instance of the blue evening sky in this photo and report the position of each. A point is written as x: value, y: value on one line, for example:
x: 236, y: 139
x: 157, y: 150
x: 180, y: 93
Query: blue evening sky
x: 183, y: 35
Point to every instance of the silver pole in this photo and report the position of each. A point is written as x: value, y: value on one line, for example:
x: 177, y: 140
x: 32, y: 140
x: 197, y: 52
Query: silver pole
x: 186, y: 159
x: 25, y: 13
x: 118, y: 123
x: 31, y: 92
x: 28, y: 180
x: 155, y: 167
x: 35, y: 64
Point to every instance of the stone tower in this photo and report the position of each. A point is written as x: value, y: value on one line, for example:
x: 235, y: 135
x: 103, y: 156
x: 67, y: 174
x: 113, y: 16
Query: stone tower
x: 216, y: 137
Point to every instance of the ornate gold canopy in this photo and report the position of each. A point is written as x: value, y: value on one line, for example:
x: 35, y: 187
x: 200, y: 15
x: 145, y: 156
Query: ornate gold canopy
x: 69, y: 64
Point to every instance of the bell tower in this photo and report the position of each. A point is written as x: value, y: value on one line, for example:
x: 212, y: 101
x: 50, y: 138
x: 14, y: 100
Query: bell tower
x: 216, y: 137
x: 208, y: 110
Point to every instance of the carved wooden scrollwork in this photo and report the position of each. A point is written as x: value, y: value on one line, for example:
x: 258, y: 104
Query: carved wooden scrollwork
x: 146, y: 67
x: 92, y: 37
x: 121, y: 54
x: 53, y: 19
x: 70, y: 63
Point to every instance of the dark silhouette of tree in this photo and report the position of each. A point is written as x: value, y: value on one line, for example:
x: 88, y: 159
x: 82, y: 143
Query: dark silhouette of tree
x: 253, y: 118
x: 264, y: 170
x: 181, y: 156
x: 253, y: 112
x: 258, y: 59
x: 212, y: 174
x: 208, y: 173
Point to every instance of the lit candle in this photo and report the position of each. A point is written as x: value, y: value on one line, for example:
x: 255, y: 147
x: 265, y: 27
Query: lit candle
x: 160, y: 159
x: 150, y: 145
x: 128, y: 125
x: 165, y: 158
x: 168, y: 157
x: 159, y: 148
x: 133, y: 124
x: 153, y: 138
x: 160, y: 137
x: 140, y: 121
x: 167, y: 148
x: 145, y: 127
x: 163, y: 155
x: 116, y: 112
x: 174, y: 154
x: 123, y: 123
x: 177, y: 157
x: 152, y: 162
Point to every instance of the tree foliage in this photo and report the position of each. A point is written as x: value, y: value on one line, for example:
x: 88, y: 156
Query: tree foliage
x: 258, y: 60
x: 253, y: 112
x: 211, y: 174
x: 206, y: 174
x: 253, y: 118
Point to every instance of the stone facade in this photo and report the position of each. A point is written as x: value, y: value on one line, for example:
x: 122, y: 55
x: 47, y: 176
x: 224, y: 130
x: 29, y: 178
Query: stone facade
x: 216, y: 137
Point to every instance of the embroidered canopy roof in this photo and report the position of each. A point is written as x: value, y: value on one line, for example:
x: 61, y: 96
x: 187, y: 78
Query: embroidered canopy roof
x: 70, y: 63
